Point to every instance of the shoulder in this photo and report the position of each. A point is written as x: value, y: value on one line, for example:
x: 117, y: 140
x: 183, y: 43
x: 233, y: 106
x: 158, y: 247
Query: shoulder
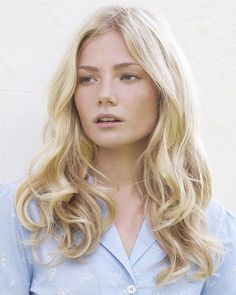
x: 10, y: 188
x: 222, y: 224
x: 216, y: 210
x: 221, y: 220
x: 8, y: 216
x: 7, y: 201
x: 16, y: 258
x: 8, y: 192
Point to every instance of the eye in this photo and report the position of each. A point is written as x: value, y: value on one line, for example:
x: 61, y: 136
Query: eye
x: 86, y: 80
x: 129, y: 77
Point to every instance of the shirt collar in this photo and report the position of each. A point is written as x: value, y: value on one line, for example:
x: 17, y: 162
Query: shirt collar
x: 112, y: 242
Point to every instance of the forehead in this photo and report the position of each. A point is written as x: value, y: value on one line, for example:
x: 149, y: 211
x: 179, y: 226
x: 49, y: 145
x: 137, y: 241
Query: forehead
x: 109, y: 46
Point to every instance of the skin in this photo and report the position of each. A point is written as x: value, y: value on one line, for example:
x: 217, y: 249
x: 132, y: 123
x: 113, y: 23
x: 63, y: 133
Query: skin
x: 126, y: 92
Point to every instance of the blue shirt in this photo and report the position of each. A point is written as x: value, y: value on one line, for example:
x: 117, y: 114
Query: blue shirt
x: 108, y: 271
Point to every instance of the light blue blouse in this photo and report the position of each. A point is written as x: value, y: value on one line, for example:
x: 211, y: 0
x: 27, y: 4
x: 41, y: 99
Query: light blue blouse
x: 108, y: 271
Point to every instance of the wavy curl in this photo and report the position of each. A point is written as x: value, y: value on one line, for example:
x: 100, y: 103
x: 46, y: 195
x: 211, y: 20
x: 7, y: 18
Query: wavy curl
x: 175, y: 170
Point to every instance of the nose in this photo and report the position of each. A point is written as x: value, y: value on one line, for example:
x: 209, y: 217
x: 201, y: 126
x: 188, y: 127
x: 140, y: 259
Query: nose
x: 106, y: 94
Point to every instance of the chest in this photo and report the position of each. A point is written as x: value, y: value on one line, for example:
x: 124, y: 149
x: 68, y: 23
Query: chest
x: 106, y: 272
x: 128, y: 230
x: 128, y: 223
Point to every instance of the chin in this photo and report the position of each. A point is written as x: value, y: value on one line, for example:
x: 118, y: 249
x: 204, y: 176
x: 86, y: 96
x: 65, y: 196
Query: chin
x: 109, y: 145
x: 107, y: 141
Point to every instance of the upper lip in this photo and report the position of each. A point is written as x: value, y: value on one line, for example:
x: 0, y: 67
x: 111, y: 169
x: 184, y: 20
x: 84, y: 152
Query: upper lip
x: 107, y: 116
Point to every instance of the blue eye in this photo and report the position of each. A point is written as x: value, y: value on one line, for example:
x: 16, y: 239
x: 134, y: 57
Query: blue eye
x: 129, y: 77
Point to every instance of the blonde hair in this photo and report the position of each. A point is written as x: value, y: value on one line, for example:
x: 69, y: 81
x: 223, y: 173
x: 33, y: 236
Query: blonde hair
x: 175, y: 171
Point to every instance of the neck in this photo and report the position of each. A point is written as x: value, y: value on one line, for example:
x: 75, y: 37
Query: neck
x: 119, y: 165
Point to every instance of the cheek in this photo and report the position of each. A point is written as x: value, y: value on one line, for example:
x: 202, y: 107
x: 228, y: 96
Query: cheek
x: 146, y: 112
x: 79, y: 106
x: 144, y: 104
x: 81, y: 111
x: 80, y: 103
x: 76, y: 98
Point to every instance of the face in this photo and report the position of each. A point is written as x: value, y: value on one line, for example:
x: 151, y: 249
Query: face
x: 111, y: 82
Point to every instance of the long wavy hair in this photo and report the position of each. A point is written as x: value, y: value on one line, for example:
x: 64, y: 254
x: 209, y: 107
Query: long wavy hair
x: 175, y: 172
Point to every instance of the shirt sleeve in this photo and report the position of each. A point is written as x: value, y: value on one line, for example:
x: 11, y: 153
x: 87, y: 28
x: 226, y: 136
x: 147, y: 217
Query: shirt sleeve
x: 15, y: 272
x: 225, y: 280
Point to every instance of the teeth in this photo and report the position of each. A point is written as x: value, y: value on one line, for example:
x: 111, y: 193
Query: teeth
x: 106, y: 119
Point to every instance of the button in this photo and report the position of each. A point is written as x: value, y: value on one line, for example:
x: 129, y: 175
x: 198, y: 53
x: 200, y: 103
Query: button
x: 131, y: 289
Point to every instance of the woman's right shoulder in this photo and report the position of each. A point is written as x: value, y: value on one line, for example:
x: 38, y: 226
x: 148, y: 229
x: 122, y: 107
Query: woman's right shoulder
x: 16, y: 258
x: 8, y: 191
x: 8, y: 196
x: 8, y: 214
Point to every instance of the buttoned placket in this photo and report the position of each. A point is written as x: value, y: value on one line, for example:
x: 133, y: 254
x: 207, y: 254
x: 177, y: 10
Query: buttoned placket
x: 112, y: 242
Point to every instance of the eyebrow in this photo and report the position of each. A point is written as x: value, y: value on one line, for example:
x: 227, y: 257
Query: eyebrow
x: 116, y: 67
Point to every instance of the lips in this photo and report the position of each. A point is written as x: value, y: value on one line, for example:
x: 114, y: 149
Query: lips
x: 112, y: 116
x: 109, y: 124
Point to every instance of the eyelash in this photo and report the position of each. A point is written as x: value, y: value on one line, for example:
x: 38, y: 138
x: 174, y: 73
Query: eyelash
x: 130, y: 75
x: 83, y: 79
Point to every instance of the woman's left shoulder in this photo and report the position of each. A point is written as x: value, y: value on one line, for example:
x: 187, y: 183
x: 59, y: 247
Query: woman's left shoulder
x: 221, y: 221
x: 222, y: 224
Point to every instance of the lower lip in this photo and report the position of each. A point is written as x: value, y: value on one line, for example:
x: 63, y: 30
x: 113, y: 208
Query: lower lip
x: 108, y: 124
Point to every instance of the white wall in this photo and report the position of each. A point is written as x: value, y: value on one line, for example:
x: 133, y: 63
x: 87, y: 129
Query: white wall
x: 35, y: 33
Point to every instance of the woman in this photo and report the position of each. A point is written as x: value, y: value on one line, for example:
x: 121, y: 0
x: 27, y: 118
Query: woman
x: 119, y: 199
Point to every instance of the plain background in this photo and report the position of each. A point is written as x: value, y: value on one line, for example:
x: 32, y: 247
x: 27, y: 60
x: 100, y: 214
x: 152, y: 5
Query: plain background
x: 35, y: 34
